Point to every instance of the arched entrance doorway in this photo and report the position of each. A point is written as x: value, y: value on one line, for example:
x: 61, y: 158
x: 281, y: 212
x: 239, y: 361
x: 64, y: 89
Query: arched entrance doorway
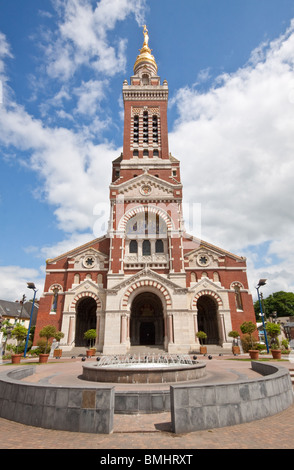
x: 86, y: 319
x: 147, y: 326
x: 207, y: 319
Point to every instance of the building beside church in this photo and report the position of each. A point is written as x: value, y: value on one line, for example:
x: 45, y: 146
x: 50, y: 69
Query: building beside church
x: 146, y: 282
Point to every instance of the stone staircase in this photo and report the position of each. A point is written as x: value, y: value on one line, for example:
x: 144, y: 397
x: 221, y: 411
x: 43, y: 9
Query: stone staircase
x: 146, y: 350
x: 214, y: 349
x: 76, y: 351
x: 150, y: 349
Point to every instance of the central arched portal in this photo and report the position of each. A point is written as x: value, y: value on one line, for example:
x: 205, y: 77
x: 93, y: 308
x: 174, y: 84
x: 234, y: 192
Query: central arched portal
x: 147, y: 325
x: 86, y: 319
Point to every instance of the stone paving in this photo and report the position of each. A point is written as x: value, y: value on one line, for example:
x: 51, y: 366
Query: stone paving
x: 147, y: 432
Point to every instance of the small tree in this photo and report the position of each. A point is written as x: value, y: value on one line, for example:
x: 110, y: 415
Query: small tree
x: 20, y: 334
x: 234, y: 334
x: 273, y: 330
x: 6, y: 328
x: 90, y: 336
x: 248, y: 327
x: 202, y: 336
x: 49, y: 332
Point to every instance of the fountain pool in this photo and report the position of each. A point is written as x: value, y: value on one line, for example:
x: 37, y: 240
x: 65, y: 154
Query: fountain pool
x: 140, y: 369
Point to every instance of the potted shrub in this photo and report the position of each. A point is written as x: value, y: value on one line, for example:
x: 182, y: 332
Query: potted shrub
x: 273, y: 331
x: 235, y: 348
x: 57, y: 353
x: 248, y: 328
x: 202, y: 336
x: 20, y: 334
x: 285, y: 346
x: 90, y: 335
x: 48, y: 332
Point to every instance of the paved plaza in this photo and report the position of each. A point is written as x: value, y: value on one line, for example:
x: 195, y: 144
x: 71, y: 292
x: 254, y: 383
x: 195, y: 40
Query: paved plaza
x: 152, y: 431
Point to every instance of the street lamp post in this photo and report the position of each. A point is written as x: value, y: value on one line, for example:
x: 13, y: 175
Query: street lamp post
x: 32, y: 286
x: 262, y: 282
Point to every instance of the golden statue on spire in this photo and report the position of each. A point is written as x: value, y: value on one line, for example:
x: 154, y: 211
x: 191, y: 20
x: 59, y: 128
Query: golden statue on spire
x: 146, y: 37
x: 145, y: 55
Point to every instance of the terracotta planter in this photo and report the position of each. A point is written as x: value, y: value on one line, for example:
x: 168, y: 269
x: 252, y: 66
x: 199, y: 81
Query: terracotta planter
x: 43, y: 358
x: 89, y: 352
x: 236, y: 349
x: 254, y: 353
x: 57, y: 353
x: 15, y: 358
x: 203, y: 350
x: 276, y: 353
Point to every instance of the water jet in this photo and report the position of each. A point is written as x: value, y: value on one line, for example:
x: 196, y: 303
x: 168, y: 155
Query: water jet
x: 137, y: 369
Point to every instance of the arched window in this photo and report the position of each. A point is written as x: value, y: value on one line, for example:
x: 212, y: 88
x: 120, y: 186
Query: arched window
x: 54, y: 303
x: 145, y: 127
x: 136, y: 129
x: 193, y: 277
x: 146, y: 248
x: 159, y: 247
x: 155, y: 129
x: 133, y: 246
x: 145, y: 79
x: 216, y: 276
x: 238, y: 298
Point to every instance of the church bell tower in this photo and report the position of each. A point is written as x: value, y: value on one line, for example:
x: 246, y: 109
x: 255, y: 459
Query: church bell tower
x: 146, y: 178
x: 146, y: 226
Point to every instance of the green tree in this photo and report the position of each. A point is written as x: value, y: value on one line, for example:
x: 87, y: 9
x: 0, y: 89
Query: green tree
x: 280, y: 302
x: 202, y: 336
x: 248, y: 327
x: 49, y: 332
x: 273, y: 330
x: 20, y: 334
x: 90, y: 335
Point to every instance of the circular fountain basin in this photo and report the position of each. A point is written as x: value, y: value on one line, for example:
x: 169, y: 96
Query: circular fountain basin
x: 139, y: 372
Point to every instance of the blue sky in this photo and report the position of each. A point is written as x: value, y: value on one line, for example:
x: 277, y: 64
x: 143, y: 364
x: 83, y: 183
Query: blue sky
x: 230, y: 70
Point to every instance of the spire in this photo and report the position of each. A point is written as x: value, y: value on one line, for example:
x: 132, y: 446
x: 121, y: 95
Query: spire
x: 145, y: 57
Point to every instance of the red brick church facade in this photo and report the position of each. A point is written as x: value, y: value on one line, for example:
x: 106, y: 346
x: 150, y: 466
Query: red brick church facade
x: 146, y: 282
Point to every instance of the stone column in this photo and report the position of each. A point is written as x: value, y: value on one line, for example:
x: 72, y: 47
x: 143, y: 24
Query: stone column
x: 97, y: 327
x: 128, y: 327
x: 123, y: 337
x: 170, y: 328
x: 71, y: 327
x: 195, y: 319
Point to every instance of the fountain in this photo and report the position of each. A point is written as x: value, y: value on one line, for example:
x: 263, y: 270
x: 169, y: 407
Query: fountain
x: 144, y: 368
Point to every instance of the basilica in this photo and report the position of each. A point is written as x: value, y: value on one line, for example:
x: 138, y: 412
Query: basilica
x: 146, y: 282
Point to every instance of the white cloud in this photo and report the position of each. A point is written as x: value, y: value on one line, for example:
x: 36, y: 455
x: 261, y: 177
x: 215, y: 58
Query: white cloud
x: 236, y: 147
x: 4, y: 52
x: 81, y: 38
x: 13, y: 282
x: 69, y: 243
x: 89, y: 96
x: 68, y: 165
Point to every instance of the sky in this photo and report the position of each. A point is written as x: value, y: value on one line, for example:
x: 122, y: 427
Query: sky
x: 230, y: 70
